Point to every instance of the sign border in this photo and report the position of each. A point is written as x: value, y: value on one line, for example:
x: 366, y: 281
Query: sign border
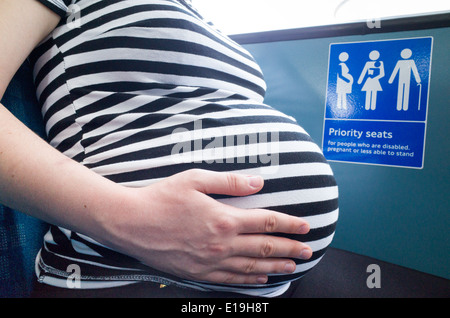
x: 353, y: 119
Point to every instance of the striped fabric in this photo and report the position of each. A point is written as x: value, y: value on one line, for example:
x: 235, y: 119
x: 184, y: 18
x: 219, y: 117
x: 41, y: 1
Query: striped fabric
x: 139, y: 90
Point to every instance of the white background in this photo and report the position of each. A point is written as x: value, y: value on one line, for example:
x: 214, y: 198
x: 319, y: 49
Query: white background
x: 247, y: 16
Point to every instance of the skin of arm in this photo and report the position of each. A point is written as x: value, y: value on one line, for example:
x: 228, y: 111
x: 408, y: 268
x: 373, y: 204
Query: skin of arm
x: 172, y: 225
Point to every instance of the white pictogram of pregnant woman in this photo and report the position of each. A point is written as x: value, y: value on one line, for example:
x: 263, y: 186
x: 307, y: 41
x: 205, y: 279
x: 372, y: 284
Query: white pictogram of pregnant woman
x: 344, y: 82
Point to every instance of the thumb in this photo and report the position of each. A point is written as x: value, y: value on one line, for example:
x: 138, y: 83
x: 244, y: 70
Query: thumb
x: 227, y: 183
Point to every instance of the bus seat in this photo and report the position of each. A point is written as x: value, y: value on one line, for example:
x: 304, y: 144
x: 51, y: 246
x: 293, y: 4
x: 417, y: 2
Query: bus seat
x: 20, y: 234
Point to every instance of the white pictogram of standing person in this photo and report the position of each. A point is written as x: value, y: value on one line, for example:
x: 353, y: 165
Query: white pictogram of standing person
x: 374, y: 70
x: 403, y: 68
x: 344, y: 82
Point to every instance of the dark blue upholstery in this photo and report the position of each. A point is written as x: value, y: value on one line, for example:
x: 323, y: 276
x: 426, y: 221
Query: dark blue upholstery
x: 20, y: 234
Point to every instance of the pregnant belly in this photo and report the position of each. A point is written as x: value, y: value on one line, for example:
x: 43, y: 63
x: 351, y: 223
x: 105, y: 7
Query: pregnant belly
x: 247, y: 140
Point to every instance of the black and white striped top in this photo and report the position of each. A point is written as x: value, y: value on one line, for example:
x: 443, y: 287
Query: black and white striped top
x: 138, y: 90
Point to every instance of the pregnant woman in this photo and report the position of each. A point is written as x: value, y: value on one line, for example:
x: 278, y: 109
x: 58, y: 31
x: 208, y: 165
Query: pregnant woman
x: 174, y: 170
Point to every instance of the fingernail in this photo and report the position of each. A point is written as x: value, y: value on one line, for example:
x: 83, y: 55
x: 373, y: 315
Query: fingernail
x: 261, y: 280
x: 289, y: 268
x: 255, y: 182
x: 305, y: 253
x: 303, y: 229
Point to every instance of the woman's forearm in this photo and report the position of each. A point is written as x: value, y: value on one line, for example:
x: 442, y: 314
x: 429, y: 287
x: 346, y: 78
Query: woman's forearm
x: 40, y: 181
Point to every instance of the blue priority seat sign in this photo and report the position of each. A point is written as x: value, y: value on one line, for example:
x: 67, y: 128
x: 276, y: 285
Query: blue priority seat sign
x: 377, y: 102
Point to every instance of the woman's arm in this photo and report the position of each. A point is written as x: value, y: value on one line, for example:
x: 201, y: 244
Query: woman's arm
x: 34, y: 177
x: 363, y: 73
x: 172, y: 225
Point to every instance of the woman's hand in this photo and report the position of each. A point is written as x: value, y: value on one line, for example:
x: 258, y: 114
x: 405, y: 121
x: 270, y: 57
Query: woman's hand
x: 174, y: 226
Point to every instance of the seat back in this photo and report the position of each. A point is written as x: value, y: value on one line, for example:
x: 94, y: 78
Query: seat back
x: 20, y: 234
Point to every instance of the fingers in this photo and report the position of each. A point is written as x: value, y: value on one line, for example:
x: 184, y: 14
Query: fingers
x: 253, y: 257
x: 211, y: 182
x: 253, y: 221
x: 242, y: 270
x: 241, y: 252
x: 246, y: 270
x: 225, y: 277
x: 266, y: 221
x: 265, y: 246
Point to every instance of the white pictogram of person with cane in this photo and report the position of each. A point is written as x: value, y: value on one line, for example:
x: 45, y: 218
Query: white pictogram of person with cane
x: 404, y: 68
